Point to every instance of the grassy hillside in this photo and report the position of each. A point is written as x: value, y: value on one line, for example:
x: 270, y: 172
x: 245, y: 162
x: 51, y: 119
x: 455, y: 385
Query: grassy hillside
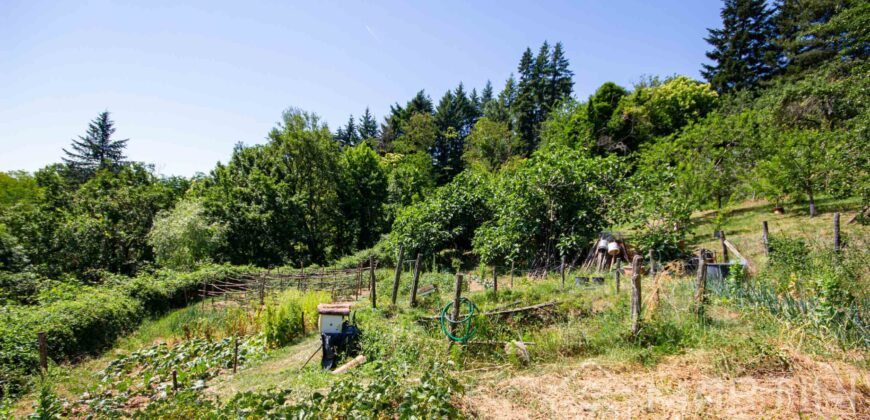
x: 739, y: 360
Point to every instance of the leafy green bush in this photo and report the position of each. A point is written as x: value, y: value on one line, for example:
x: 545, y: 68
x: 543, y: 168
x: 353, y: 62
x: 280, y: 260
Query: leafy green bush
x: 184, y: 237
x: 283, y: 316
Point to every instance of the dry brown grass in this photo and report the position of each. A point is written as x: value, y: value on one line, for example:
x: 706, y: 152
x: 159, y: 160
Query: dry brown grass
x: 681, y: 387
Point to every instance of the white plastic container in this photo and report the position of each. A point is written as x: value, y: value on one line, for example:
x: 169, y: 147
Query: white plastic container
x: 613, y: 248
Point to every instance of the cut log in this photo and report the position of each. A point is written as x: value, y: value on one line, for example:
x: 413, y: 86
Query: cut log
x: 350, y: 365
x: 501, y: 312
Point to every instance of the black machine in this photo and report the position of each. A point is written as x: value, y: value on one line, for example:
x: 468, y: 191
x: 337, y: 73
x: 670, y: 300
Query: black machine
x: 338, y: 335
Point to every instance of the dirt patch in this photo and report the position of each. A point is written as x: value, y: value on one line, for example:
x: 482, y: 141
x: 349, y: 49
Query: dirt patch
x: 678, y: 388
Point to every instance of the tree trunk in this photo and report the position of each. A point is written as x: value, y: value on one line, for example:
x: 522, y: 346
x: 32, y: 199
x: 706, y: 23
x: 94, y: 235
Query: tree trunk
x: 812, y: 202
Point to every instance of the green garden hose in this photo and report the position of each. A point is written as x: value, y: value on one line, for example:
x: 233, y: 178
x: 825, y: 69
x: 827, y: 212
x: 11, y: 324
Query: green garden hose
x: 467, y: 322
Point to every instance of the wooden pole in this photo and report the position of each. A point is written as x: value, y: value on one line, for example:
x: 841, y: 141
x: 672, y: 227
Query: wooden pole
x: 700, y: 285
x: 724, y: 248
x: 495, y: 280
x: 236, y: 354
x: 764, y: 238
x: 616, y: 273
x: 415, y: 280
x: 652, y: 266
x: 837, y: 232
x: 635, y: 294
x: 457, y: 296
x: 43, y: 351
x: 399, y: 273
x: 262, y: 289
x: 562, y: 271
x: 174, y: 380
x: 374, y: 289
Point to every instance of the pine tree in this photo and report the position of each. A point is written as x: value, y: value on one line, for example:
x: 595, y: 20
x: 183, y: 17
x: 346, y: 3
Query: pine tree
x: 795, y: 20
x: 351, y: 132
x: 487, y: 94
x: 743, y: 52
x: 561, y: 78
x: 96, y: 149
x: 368, y: 127
x: 524, y: 106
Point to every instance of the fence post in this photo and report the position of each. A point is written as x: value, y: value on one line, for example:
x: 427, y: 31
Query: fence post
x: 495, y: 280
x: 399, y: 274
x: 236, y: 354
x: 724, y: 248
x: 652, y: 266
x: 837, y: 232
x: 262, y: 289
x: 174, y: 380
x: 562, y: 271
x: 616, y: 273
x: 635, y: 294
x: 43, y: 351
x: 374, y: 291
x: 764, y: 238
x: 700, y: 285
x: 457, y: 296
x: 415, y: 280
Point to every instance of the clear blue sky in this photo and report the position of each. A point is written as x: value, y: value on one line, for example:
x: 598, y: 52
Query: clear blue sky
x: 186, y: 82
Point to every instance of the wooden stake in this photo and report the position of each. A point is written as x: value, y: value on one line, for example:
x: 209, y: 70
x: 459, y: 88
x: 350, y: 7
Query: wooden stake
x: 764, y: 238
x: 374, y: 289
x: 652, y: 266
x: 43, y: 351
x: 700, y: 285
x: 724, y: 248
x: 495, y: 281
x: 837, y: 232
x: 399, y: 274
x: 174, y: 380
x: 415, y: 280
x: 236, y: 354
x: 457, y: 296
x: 635, y: 294
x: 562, y: 271
x: 616, y: 274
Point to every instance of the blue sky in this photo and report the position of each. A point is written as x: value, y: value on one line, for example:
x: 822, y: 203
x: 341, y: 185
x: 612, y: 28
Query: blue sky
x: 187, y: 80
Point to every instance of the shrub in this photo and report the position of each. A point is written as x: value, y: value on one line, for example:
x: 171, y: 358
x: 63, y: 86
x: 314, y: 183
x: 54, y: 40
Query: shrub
x: 283, y: 316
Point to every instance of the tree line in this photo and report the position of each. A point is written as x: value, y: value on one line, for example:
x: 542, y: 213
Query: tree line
x: 527, y: 174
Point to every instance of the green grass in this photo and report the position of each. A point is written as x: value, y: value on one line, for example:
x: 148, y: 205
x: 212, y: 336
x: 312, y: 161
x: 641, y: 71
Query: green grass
x: 742, y: 225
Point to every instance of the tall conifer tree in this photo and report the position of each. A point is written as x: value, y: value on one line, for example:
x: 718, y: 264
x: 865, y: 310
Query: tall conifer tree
x: 96, y: 149
x: 743, y: 52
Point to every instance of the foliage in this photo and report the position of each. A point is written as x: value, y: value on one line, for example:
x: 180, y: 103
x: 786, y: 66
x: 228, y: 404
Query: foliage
x: 184, y: 237
x: 490, y: 145
x: 282, y: 319
x: 279, y: 200
x: 363, y: 197
x: 96, y: 150
x: 744, y: 49
x: 448, y: 218
x: 551, y: 205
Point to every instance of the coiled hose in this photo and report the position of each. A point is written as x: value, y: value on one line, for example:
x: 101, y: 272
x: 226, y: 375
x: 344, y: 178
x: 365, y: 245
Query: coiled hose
x: 467, y: 322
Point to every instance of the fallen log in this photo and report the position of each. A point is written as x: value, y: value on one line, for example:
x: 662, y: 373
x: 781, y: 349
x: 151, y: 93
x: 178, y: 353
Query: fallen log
x: 501, y: 312
x: 350, y: 365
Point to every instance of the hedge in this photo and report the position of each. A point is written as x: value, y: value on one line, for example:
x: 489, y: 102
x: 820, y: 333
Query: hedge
x: 92, y: 320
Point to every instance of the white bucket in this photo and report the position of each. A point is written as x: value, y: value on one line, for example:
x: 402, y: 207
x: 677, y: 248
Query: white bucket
x: 613, y: 248
x: 602, y: 245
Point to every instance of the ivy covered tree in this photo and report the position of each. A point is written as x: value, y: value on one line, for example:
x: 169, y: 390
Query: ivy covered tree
x: 96, y: 149
x: 744, y: 51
